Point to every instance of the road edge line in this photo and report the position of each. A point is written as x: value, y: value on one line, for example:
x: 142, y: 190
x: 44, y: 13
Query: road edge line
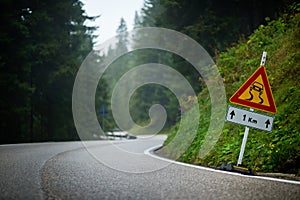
x: 150, y: 152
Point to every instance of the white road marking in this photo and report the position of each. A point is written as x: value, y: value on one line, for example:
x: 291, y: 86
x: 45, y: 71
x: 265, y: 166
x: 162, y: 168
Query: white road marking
x: 148, y: 152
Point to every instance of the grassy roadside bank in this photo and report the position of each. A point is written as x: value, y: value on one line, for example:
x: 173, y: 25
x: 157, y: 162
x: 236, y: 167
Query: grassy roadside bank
x: 278, y: 151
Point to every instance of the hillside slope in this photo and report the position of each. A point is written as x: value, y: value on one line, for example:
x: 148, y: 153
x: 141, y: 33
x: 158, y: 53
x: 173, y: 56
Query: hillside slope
x: 278, y: 151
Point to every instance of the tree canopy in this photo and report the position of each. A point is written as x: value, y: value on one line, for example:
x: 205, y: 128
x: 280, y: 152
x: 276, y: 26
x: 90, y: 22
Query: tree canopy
x: 43, y: 44
x: 215, y: 24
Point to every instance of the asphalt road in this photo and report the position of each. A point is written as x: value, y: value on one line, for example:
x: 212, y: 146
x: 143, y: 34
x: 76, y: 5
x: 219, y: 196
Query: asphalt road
x: 120, y: 170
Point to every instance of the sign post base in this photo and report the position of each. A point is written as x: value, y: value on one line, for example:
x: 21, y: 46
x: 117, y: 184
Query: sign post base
x: 237, y: 168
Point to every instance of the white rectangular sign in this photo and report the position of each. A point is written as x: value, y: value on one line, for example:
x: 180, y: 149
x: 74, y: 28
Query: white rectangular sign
x: 249, y: 118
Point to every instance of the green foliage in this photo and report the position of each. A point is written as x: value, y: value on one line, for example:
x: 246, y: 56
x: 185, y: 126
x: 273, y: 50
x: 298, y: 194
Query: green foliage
x: 278, y: 151
x: 186, y: 121
x: 214, y: 24
x: 44, y: 43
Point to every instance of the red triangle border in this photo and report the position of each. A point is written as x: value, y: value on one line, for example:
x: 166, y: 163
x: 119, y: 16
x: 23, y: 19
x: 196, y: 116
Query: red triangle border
x: 235, y: 97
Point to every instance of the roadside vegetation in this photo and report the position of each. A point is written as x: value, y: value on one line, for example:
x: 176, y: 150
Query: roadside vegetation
x: 279, y: 150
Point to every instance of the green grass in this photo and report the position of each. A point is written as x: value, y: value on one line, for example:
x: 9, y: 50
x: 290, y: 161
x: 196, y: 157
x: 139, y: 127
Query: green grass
x: 278, y: 151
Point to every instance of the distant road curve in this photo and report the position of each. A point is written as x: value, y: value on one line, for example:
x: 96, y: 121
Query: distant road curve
x: 123, y: 169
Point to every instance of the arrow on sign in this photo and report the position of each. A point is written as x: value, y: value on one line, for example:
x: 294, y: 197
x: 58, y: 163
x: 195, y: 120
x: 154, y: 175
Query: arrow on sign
x: 267, y: 123
x: 232, y: 114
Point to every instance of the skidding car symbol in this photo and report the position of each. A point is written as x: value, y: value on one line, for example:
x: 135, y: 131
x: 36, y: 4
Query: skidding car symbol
x: 258, y: 87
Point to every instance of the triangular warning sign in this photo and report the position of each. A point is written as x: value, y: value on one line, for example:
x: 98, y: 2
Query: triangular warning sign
x: 256, y: 92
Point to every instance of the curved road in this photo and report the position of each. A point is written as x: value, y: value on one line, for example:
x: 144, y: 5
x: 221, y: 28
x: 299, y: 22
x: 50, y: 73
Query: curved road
x: 121, y: 170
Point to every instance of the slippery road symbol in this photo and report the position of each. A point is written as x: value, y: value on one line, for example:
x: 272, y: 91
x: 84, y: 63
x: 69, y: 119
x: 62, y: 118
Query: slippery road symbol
x: 256, y: 92
x: 256, y: 88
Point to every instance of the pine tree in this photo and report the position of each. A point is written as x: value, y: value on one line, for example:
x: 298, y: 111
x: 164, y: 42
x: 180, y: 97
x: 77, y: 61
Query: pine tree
x: 45, y: 41
x: 137, y: 20
x: 122, y: 36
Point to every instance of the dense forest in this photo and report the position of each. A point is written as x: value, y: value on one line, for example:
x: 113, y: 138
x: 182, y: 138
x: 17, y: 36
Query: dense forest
x: 42, y: 46
x: 214, y: 24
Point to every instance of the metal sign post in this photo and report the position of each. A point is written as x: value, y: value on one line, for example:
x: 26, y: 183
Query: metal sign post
x: 243, y: 144
x: 255, y: 93
x: 262, y: 63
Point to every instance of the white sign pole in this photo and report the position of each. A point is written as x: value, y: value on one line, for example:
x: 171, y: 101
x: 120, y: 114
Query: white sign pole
x: 263, y: 58
x: 262, y: 63
x: 243, y: 144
